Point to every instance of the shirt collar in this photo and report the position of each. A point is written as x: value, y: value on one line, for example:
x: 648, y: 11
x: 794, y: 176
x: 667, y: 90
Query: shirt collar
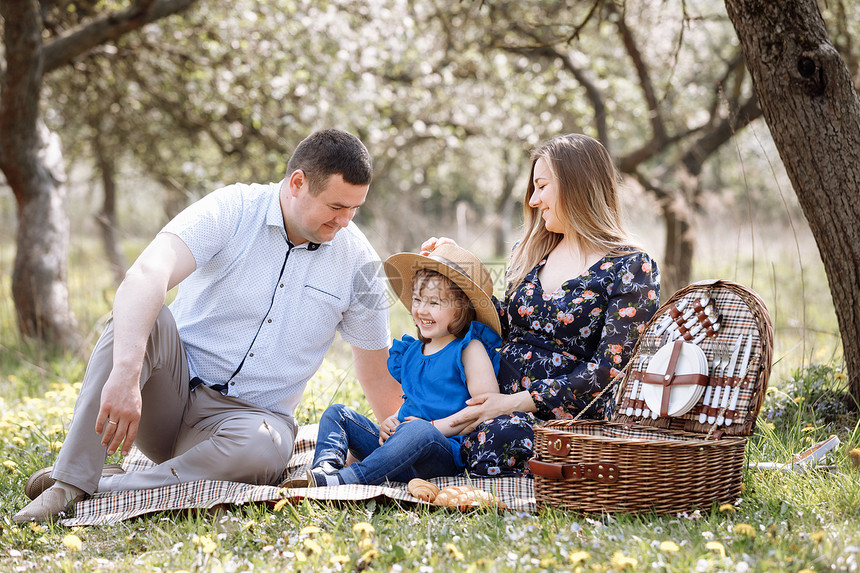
x: 275, y: 218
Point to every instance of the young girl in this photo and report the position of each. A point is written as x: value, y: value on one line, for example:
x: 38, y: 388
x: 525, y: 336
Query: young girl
x: 455, y: 357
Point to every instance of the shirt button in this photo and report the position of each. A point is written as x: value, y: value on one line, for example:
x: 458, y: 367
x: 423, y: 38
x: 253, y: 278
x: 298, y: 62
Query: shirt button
x: 281, y: 285
x: 251, y: 354
x: 232, y: 383
x: 269, y: 321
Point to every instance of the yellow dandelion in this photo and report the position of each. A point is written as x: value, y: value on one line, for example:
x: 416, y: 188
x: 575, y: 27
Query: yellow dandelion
x: 770, y: 425
x: 248, y: 525
x: 455, y: 553
x: 364, y: 528
x: 854, y: 457
x: 547, y: 562
x: 669, y: 547
x: 621, y: 561
x: 310, y: 530
x: 366, y: 544
x: 806, y: 571
x: 818, y: 537
x: 207, y: 545
x: 808, y: 428
x: 36, y: 527
x: 578, y: 557
x: 312, y: 546
x: 10, y: 465
x: 280, y: 505
x: 727, y: 508
x: 339, y: 559
x: 717, y: 547
x: 19, y: 441
x: 745, y: 529
x: 369, y: 556
x: 798, y: 399
x: 840, y: 376
x: 300, y: 556
x: 56, y: 445
x: 73, y: 542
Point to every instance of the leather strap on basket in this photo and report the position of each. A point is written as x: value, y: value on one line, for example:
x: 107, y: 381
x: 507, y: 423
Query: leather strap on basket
x: 606, y: 473
x: 670, y: 378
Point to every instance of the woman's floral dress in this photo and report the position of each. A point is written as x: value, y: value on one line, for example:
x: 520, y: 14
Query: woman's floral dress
x: 563, y: 348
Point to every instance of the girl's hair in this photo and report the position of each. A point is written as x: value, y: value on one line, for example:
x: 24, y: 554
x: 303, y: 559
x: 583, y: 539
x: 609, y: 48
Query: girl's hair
x: 588, y: 203
x: 464, y: 310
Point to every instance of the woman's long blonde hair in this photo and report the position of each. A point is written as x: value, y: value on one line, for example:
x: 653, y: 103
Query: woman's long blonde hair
x: 587, y: 187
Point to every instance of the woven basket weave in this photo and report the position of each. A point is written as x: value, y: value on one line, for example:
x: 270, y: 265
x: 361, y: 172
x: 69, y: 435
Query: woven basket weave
x: 665, y: 465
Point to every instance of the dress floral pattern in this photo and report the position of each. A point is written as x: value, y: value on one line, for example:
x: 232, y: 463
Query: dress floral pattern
x: 563, y: 348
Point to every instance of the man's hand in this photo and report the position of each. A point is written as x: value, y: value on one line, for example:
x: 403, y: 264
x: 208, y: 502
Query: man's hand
x: 119, y: 414
x: 387, y: 428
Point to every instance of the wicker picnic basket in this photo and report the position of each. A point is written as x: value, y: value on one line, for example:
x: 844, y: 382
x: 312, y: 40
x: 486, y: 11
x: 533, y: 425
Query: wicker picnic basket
x: 668, y: 464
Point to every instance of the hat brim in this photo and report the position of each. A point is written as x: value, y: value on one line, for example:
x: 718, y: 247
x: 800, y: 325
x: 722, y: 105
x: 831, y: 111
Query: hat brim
x: 401, y: 267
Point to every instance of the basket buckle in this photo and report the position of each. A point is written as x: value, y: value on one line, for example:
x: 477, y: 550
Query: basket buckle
x: 559, y: 447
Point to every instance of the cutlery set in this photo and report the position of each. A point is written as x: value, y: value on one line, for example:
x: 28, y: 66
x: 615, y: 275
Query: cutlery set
x: 672, y: 376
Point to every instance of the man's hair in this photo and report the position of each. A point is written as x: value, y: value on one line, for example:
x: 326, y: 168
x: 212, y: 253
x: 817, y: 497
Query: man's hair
x: 329, y: 152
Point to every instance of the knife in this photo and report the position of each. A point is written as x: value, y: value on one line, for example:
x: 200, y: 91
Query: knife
x: 703, y: 416
x: 728, y: 379
x: 715, y: 403
x: 743, y: 374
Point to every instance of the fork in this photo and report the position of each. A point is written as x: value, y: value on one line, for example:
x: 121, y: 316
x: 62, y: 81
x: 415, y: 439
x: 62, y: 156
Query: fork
x: 725, y: 356
x: 644, y: 350
x: 634, y: 386
x: 715, y: 363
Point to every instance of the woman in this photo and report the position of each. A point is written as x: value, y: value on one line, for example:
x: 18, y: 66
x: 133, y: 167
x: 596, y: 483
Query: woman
x: 579, y: 295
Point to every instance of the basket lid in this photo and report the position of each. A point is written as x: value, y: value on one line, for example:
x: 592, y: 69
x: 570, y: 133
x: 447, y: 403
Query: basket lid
x: 730, y: 325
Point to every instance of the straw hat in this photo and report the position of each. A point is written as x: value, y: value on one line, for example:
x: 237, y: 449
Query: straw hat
x: 462, y: 267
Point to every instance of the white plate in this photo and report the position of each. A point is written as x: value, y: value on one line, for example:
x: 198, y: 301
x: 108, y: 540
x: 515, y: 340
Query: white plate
x: 683, y: 397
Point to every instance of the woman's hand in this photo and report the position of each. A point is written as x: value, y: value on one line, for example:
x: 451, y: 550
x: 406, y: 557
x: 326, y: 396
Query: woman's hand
x: 430, y: 244
x: 487, y: 406
x: 387, y: 427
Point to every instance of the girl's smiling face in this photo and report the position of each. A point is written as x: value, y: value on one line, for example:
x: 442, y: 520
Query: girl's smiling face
x: 433, y: 309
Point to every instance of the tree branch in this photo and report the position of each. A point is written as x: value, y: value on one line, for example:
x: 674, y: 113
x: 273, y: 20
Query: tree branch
x: 110, y: 27
x: 657, y: 125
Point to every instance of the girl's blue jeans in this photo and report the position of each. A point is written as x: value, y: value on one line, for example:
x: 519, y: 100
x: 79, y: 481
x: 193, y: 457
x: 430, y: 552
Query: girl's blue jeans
x: 415, y: 449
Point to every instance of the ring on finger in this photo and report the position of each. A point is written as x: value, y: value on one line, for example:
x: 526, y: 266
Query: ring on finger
x: 112, y: 422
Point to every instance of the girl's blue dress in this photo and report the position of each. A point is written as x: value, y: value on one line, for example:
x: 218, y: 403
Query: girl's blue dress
x: 434, y: 386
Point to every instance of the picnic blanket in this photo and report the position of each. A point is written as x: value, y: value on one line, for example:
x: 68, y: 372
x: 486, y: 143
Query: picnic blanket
x: 112, y: 507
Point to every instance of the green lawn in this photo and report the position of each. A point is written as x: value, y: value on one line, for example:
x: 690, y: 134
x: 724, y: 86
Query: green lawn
x: 784, y: 521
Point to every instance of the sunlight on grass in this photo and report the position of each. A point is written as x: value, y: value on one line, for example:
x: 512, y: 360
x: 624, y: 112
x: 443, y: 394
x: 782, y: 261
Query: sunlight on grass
x: 785, y: 521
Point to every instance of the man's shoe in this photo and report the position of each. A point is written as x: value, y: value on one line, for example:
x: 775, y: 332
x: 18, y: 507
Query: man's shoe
x: 42, y: 480
x: 47, y: 507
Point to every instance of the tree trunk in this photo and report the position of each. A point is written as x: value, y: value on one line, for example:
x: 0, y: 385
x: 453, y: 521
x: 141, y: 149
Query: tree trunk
x: 812, y: 110
x: 107, y: 217
x: 27, y: 156
x: 504, y: 207
x: 39, y: 277
x: 676, y: 266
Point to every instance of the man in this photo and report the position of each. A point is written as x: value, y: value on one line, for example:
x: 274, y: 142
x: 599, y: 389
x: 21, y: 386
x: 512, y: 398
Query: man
x: 207, y: 388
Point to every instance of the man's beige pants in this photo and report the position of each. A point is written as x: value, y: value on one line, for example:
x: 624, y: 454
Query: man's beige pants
x: 190, y: 435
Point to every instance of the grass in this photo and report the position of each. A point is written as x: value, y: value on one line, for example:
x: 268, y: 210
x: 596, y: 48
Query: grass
x: 784, y: 522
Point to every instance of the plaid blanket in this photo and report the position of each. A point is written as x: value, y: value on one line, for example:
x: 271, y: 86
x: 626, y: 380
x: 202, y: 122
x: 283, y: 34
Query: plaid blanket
x: 112, y: 507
